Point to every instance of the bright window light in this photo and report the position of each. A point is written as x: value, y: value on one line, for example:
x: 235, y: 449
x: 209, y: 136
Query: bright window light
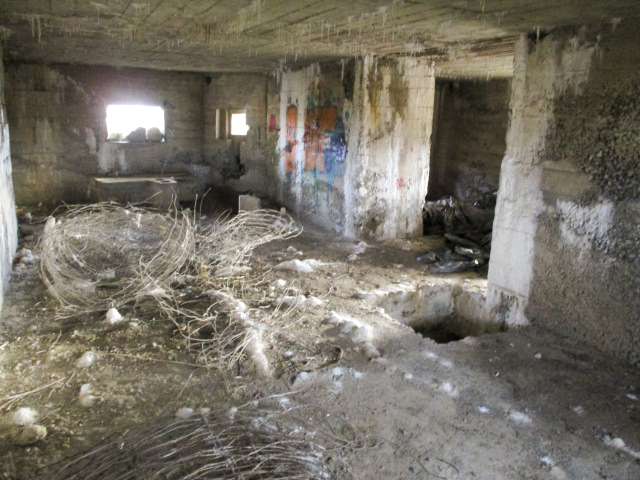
x: 124, y: 119
x: 239, y: 124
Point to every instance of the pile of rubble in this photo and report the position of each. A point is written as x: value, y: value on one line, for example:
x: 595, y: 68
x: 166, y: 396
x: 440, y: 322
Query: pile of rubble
x: 467, y: 228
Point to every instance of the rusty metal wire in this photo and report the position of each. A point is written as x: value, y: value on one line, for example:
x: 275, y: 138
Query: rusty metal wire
x: 105, y: 255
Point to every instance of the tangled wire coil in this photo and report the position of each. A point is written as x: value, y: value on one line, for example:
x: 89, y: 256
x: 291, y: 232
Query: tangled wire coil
x: 104, y: 255
x: 222, y: 445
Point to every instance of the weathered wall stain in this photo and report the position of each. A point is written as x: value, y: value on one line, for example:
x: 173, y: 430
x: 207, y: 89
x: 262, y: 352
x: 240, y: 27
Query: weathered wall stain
x: 292, y: 130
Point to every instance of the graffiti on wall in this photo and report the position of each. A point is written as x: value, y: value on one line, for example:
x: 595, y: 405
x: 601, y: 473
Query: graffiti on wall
x: 291, y: 131
x: 324, y: 140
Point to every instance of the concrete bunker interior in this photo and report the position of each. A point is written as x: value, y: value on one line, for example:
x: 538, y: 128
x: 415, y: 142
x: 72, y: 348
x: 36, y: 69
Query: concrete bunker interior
x: 326, y: 320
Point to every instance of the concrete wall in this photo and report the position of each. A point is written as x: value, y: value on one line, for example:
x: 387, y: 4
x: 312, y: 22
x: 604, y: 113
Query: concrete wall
x: 354, y: 145
x: 393, y: 147
x: 8, y: 226
x: 567, y: 228
x: 57, y: 117
x: 246, y: 164
x: 470, y: 131
x: 315, y: 114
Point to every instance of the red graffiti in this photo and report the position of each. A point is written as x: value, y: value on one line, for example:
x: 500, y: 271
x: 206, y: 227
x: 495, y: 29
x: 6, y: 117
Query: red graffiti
x: 273, y: 125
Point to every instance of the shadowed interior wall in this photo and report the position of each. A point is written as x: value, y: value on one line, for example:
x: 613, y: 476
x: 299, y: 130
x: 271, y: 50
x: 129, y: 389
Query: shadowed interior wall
x: 247, y: 163
x: 57, y: 118
x: 8, y: 224
x: 469, y: 137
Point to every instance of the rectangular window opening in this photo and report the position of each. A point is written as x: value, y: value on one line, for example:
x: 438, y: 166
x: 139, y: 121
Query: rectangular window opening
x: 239, y: 124
x: 135, y: 123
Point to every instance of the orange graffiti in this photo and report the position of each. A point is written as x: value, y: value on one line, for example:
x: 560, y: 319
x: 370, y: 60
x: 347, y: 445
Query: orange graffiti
x: 318, y: 123
x: 290, y: 148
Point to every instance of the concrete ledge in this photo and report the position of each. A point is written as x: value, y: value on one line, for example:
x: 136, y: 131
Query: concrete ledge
x: 158, y: 190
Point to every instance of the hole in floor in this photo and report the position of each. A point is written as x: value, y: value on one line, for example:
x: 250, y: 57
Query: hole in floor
x: 443, y: 332
x: 442, y: 311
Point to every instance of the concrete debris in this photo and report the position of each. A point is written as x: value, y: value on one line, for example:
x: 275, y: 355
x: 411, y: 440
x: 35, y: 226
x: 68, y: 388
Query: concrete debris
x: 24, y: 416
x: 520, y: 417
x: 31, y: 434
x: 138, y: 135
x: 359, y: 332
x: 360, y: 248
x: 113, y: 316
x: 154, y: 135
x: 86, y: 360
x: 26, y: 256
x: 620, y: 445
x: 184, y: 412
x: 303, y: 266
x: 86, y: 397
x: 248, y: 203
x: 278, y: 284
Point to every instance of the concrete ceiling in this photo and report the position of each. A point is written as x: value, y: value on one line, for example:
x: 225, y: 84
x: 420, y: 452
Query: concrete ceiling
x: 466, y: 37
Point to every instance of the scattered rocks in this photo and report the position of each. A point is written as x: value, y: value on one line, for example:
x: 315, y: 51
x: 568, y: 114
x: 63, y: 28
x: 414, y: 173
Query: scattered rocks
x: 113, y: 316
x: 87, y: 359
x: 24, y: 416
x: 31, y: 434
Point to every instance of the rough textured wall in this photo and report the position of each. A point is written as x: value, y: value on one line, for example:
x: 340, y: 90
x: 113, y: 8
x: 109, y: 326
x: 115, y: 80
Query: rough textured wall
x: 469, y: 138
x: 389, y: 150
x: 315, y: 113
x: 587, y: 258
x: 354, y: 145
x: 8, y: 226
x: 567, y: 229
x: 57, y: 118
x: 243, y: 163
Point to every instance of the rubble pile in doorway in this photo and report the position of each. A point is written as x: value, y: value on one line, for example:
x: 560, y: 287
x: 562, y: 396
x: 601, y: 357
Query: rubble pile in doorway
x: 467, y: 228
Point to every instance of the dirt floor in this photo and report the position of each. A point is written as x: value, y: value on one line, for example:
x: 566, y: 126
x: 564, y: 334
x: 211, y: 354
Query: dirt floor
x: 518, y: 404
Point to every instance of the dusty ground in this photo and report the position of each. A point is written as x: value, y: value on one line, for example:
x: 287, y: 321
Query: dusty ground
x: 518, y: 404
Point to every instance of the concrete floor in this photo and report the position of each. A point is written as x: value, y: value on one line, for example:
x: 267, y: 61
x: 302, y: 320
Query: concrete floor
x: 524, y: 403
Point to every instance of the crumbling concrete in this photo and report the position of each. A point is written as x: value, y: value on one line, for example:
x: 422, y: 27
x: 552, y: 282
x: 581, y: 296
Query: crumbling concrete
x: 565, y: 248
x: 389, y: 164
x: 354, y: 153
x: 8, y: 225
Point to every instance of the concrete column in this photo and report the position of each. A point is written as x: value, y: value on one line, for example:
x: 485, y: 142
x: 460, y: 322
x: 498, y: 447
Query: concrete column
x: 8, y: 224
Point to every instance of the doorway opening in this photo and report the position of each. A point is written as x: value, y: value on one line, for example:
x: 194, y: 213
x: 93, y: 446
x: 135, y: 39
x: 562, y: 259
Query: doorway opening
x: 469, y: 142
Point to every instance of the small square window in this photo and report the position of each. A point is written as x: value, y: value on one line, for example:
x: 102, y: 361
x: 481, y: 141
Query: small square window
x: 135, y: 123
x: 239, y: 124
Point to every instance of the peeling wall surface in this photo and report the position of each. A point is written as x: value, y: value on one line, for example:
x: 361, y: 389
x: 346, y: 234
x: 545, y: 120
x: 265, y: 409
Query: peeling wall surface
x: 470, y: 131
x: 354, y: 153
x: 57, y: 116
x: 8, y: 224
x: 567, y: 231
x: 248, y: 163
